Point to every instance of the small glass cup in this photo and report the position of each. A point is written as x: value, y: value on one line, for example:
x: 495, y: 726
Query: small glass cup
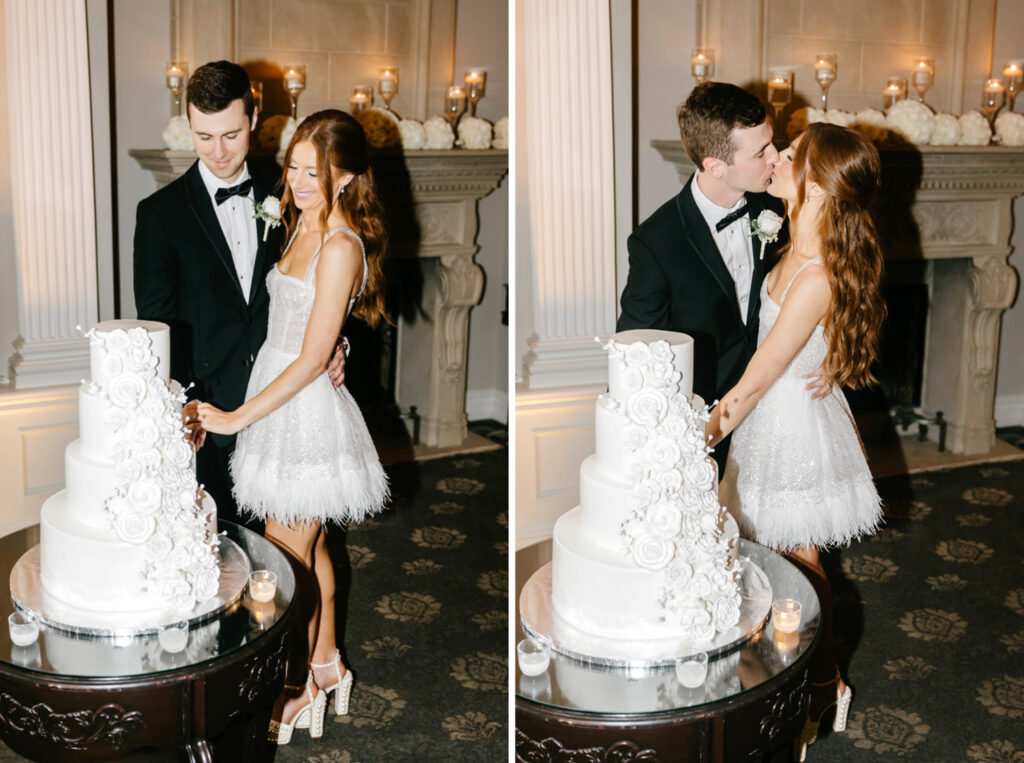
x: 30, y: 656
x: 262, y: 585
x: 894, y: 92
x: 534, y: 656
x: 362, y: 98
x: 692, y: 670
x: 786, y: 615
x: 24, y: 628
x: 172, y: 634
x: 702, y: 64
x: 262, y: 615
x: 534, y: 686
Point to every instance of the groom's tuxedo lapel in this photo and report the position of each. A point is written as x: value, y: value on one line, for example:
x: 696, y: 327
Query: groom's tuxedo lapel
x: 700, y: 241
x: 201, y: 206
x: 259, y: 270
x: 756, y: 202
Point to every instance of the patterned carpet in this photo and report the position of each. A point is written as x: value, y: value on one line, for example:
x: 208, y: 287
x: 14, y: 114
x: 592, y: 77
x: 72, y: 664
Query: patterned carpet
x: 427, y: 625
x: 930, y: 622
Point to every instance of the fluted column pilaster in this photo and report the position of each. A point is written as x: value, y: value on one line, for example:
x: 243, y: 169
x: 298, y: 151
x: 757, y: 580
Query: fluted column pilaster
x: 568, y: 131
x: 51, y: 159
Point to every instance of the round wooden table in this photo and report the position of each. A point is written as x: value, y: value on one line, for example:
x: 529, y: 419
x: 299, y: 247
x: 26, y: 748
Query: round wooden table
x: 68, y: 697
x: 751, y: 707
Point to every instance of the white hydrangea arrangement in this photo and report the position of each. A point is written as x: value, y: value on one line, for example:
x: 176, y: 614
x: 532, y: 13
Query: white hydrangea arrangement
x: 177, y: 135
x: 974, y: 129
x: 675, y: 526
x: 872, y: 123
x: 380, y: 126
x: 412, y: 134
x: 500, y: 134
x: 287, y: 133
x: 438, y: 134
x: 271, y: 132
x: 1010, y: 128
x: 155, y: 500
x: 947, y: 130
x: 912, y: 120
x: 474, y: 133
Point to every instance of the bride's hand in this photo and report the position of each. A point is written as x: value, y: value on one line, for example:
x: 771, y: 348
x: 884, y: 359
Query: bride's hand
x: 217, y: 421
x: 818, y: 385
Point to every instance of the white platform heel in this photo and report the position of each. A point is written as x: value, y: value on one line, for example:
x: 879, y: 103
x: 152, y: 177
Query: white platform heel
x: 342, y: 687
x: 311, y: 717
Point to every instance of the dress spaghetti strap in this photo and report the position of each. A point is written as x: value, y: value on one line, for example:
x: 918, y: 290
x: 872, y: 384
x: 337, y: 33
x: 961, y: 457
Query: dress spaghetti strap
x: 311, y: 268
x: 799, y: 270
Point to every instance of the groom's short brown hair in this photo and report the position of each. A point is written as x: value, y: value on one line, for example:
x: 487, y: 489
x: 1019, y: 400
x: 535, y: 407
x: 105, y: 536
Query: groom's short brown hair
x: 213, y: 86
x: 709, y: 115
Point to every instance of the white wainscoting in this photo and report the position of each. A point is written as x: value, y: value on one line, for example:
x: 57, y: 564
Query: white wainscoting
x: 1009, y: 410
x: 35, y: 427
x: 487, y: 404
x: 554, y: 433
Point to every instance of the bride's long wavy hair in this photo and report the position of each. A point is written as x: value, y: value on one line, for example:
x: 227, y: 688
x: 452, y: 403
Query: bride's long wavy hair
x: 847, y: 167
x: 340, y: 143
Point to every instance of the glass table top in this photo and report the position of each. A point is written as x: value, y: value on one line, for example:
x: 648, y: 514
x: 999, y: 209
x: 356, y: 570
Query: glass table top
x: 568, y: 684
x: 59, y: 653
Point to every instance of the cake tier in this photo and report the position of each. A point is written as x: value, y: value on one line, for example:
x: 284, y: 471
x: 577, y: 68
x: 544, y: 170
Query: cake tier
x: 88, y: 484
x: 88, y: 567
x: 605, y: 503
x: 159, y: 334
x: 605, y: 593
x: 94, y: 427
x: 682, y: 358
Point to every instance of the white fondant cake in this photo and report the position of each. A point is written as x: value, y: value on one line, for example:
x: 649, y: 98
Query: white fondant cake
x: 649, y: 553
x: 131, y: 530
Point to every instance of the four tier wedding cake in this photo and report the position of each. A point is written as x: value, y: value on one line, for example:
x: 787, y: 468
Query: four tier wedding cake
x: 649, y: 553
x: 131, y: 531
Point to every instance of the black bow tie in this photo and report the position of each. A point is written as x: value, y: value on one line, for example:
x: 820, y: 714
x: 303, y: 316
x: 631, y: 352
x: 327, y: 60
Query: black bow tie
x: 242, y: 189
x: 726, y: 221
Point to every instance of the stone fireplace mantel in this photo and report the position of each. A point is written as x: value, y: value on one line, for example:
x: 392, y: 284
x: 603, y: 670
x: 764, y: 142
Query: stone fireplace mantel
x: 445, y: 187
x: 960, y: 214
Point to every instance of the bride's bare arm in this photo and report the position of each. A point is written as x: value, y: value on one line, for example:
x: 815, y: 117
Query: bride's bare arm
x: 803, y: 309
x: 340, y: 264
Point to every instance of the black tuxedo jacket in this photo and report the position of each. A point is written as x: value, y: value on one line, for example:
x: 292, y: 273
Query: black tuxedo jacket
x: 185, y: 277
x: 678, y: 282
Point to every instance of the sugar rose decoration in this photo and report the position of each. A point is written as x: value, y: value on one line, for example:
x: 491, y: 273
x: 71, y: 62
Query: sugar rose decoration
x: 674, y: 528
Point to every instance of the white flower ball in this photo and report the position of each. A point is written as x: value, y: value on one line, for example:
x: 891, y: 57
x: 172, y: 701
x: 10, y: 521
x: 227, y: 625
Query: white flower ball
x: 947, y: 130
x: 500, y: 134
x: 839, y: 117
x: 913, y: 120
x: 287, y: 132
x: 974, y: 129
x: 475, y: 133
x: 438, y: 134
x: 872, y: 123
x: 177, y: 135
x: 800, y: 118
x: 1010, y: 128
x: 412, y: 133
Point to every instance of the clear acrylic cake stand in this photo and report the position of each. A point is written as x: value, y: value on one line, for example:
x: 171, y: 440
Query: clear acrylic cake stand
x: 28, y: 594
x: 539, y: 620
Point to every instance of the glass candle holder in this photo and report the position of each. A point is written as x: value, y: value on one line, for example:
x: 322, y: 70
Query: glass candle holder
x: 262, y: 614
x: 786, y: 615
x: 362, y: 98
x: 993, y: 96
x: 780, y: 93
x: 294, y: 82
x: 257, y: 95
x: 387, y: 85
x: 172, y: 634
x: 895, y: 90
x: 923, y: 76
x: 476, y: 85
x: 825, y: 71
x: 262, y: 585
x: 702, y: 64
x: 1013, y: 79
x: 692, y: 670
x: 534, y: 656
x: 24, y: 628
x: 176, y: 75
x: 454, y: 104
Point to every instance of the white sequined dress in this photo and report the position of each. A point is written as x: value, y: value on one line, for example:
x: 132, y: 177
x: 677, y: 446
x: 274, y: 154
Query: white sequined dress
x: 311, y: 459
x: 796, y: 473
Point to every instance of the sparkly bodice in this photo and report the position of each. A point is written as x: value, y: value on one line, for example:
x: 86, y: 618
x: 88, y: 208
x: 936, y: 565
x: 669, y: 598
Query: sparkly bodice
x: 812, y: 354
x: 291, y: 298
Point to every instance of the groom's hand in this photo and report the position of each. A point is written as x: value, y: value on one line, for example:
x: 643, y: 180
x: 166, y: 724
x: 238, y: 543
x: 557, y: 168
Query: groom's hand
x: 195, y: 435
x: 336, y: 368
x: 818, y: 384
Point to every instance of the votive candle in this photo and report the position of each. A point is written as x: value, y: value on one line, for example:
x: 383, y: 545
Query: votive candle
x: 262, y: 585
x: 786, y: 615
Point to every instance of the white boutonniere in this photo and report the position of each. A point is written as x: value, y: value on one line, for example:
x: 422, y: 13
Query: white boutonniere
x: 269, y: 211
x: 766, y: 227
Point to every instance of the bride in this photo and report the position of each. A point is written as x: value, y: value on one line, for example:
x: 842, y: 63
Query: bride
x: 796, y: 478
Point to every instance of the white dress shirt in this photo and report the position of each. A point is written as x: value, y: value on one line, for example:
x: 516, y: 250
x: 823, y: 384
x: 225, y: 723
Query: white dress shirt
x: 237, y: 221
x: 734, y: 243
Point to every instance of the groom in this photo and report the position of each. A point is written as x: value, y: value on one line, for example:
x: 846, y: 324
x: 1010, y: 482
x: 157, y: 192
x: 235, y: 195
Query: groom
x: 693, y: 266
x: 201, y: 260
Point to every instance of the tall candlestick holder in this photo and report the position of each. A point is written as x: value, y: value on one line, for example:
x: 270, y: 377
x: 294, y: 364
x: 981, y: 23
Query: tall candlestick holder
x: 387, y: 85
x: 993, y: 96
x: 780, y: 93
x: 362, y: 98
x: 257, y: 96
x: 1013, y: 79
x: 923, y: 76
x: 176, y: 74
x: 476, y: 84
x: 294, y: 81
x: 454, y: 104
x: 702, y: 64
x: 825, y: 71
x: 895, y: 91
